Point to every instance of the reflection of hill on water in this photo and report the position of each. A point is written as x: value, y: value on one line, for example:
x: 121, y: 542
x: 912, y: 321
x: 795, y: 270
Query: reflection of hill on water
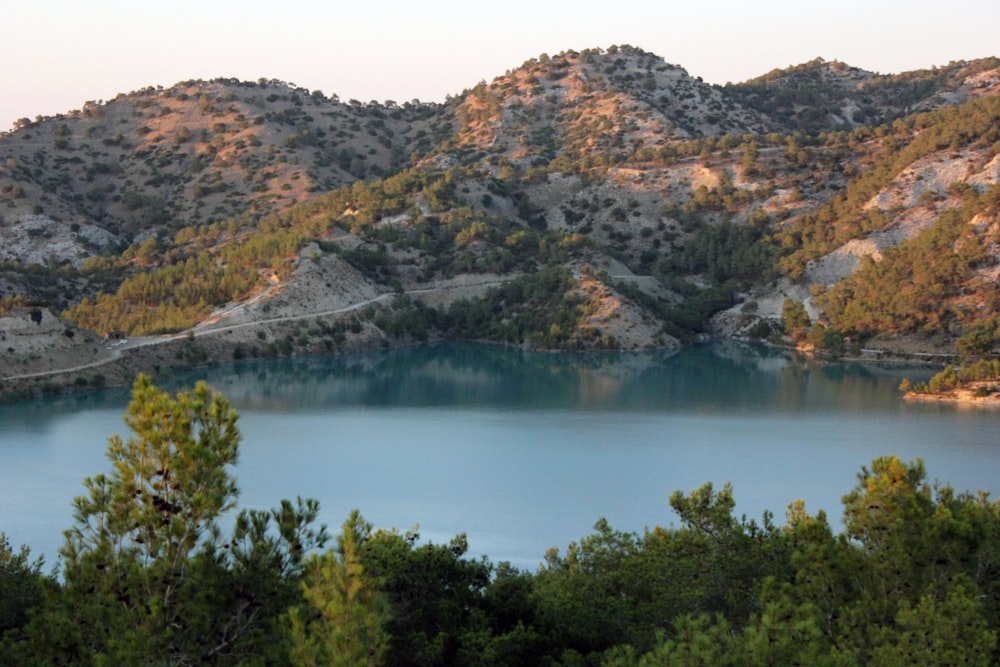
x: 459, y: 375
x: 29, y: 412
x: 720, y: 377
x: 717, y: 377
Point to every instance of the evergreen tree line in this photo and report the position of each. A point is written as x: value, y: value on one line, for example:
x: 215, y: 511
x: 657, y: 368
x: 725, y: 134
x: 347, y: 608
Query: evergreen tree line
x: 149, y: 577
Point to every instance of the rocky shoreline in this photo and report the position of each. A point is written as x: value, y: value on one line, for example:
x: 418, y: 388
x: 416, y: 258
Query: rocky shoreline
x: 42, y: 354
x: 986, y: 394
x: 160, y: 358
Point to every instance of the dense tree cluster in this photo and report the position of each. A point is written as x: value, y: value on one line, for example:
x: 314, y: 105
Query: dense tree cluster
x: 926, y: 283
x: 543, y: 309
x: 743, y: 252
x: 148, y: 577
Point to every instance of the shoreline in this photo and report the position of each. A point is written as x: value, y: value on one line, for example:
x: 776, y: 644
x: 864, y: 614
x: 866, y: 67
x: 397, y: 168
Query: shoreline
x: 173, y: 353
x: 962, y: 396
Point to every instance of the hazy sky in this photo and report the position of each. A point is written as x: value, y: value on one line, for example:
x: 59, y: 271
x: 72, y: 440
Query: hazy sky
x: 57, y: 54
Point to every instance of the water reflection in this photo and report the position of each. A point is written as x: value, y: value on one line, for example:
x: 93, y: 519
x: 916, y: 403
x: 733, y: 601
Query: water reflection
x: 723, y: 376
x: 728, y: 377
x: 522, y: 450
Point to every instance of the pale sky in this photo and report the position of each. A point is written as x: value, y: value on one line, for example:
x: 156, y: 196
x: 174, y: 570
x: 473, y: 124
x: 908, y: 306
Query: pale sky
x: 57, y: 54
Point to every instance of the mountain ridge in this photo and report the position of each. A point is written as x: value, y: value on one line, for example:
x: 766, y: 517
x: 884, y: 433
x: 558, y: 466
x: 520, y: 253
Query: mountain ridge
x: 669, y: 197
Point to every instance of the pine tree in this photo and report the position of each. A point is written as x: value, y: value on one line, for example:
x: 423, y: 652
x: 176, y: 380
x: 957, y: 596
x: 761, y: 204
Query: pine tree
x: 344, y: 622
x: 148, y: 576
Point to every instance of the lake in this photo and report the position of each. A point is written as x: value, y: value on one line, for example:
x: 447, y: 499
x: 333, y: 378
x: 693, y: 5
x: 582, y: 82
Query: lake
x: 521, y: 451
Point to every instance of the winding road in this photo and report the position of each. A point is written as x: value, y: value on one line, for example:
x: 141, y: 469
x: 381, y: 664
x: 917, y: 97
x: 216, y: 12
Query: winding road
x: 210, y: 326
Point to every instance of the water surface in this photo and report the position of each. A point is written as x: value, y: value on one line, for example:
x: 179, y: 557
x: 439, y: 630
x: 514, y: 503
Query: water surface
x: 521, y: 451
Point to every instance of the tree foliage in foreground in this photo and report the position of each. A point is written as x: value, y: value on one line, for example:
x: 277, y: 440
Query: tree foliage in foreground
x: 21, y: 585
x: 344, y: 618
x: 148, y: 578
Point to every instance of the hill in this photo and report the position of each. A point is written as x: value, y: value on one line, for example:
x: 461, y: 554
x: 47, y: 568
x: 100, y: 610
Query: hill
x: 601, y: 198
x: 820, y: 95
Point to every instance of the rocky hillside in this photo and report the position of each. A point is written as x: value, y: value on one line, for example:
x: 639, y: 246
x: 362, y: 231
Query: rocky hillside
x: 821, y: 95
x: 601, y: 198
x: 156, y: 160
x: 590, y: 104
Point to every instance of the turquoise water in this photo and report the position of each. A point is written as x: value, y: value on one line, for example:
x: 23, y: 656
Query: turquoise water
x: 521, y: 451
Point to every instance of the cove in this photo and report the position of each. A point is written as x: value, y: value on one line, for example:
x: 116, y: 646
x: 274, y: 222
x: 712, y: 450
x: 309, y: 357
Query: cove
x: 521, y: 451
